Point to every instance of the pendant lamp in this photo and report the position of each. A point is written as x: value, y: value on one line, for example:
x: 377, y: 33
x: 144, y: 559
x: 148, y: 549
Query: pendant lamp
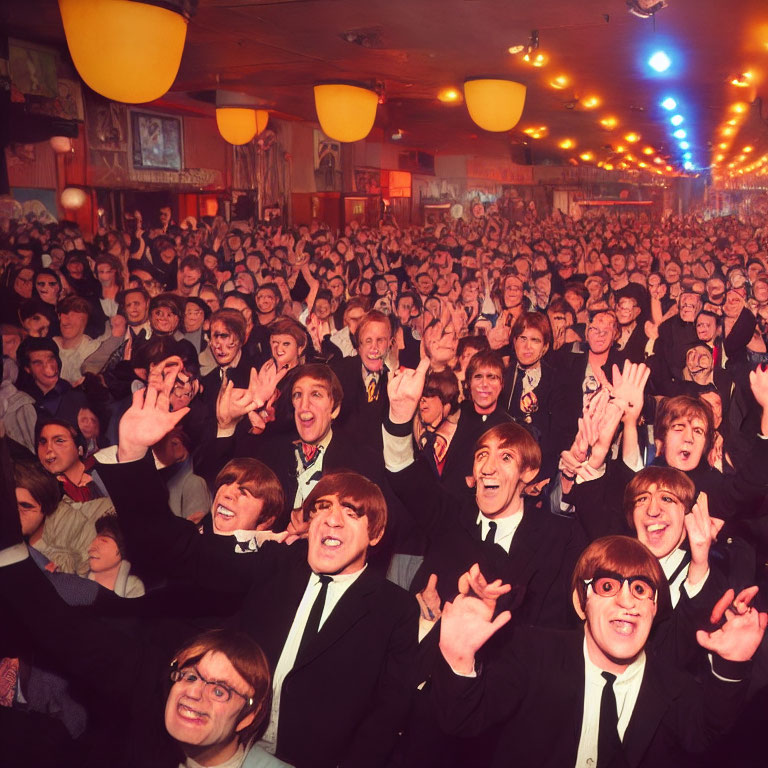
x: 126, y: 50
x: 73, y: 198
x: 346, y: 112
x: 238, y: 125
x: 494, y: 104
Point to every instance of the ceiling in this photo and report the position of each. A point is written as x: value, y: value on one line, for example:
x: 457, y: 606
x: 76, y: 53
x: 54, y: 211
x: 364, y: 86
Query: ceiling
x: 276, y: 49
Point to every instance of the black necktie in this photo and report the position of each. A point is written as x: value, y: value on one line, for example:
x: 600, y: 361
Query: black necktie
x: 313, y: 620
x: 609, y: 749
x: 490, y: 537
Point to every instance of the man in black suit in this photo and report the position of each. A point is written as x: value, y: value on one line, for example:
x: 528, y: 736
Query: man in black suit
x: 314, y: 607
x: 499, y: 528
x: 593, y: 696
x: 364, y: 379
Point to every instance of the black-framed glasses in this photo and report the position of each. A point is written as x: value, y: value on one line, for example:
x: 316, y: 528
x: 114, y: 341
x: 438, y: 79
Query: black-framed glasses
x: 213, y: 689
x: 610, y: 585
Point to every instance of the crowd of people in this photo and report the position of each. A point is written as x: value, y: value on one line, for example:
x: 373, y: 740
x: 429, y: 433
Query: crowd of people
x: 489, y: 492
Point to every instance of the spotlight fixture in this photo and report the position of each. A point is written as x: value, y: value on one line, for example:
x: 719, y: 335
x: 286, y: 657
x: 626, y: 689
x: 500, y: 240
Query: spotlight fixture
x: 659, y: 61
x: 684, y: 145
x: 676, y: 119
x: 669, y: 103
x: 645, y: 9
x: 679, y: 134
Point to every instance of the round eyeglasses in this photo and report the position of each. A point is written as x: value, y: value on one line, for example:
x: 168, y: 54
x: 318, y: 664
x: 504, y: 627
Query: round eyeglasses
x: 213, y: 689
x: 610, y: 586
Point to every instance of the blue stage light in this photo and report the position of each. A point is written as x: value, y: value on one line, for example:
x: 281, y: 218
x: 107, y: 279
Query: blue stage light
x: 659, y: 61
x: 679, y: 134
x: 676, y: 119
x: 688, y: 166
x: 684, y: 145
x: 669, y: 103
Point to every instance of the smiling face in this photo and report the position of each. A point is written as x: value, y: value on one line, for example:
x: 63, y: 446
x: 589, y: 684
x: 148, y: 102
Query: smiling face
x: 313, y: 409
x: 373, y: 345
x: 56, y: 449
x: 44, y: 369
x: 498, y: 480
x: 658, y: 517
x: 235, y: 508
x: 617, y: 627
x: 689, y: 307
x: 338, y: 536
x: 197, y: 720
x: 163, y: 320
x: 485, y: 388
x: 684, y: 443
x: 194, y: 317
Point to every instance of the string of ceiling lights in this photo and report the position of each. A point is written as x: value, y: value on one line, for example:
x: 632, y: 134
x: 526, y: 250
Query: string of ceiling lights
x: 619, y: 156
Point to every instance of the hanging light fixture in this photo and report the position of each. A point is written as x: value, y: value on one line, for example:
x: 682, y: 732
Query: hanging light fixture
x: 238, y: 125
x: 346, y: 112
x: 126, y: 50
x: 73, y: 198
x: 61, y: 144
x: 494, y: 104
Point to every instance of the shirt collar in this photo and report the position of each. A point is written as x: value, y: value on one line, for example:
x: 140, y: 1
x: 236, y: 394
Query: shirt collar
x: 593, y: 673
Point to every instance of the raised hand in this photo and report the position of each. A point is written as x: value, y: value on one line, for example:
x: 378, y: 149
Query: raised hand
x: 628, y: 386
x: 467, y: 623
x: 702, y: 533
x: 262, y: 385
x: 739, y: 637
x: 404, y: 389
x: 149, y: 419
x: 429, y: 600
x: 232, y: 403
x: 601, y: 419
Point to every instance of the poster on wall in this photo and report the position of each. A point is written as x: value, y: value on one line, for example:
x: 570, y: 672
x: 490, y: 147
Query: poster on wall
x: 155, y: 141
x: 35, y: 204
x: 327, y: 163
x: 33, y: 69
x: 368, y: 181
x: 107, y: 125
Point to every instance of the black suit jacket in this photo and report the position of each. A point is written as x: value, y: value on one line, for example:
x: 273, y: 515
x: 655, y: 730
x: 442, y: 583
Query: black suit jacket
x: 357, y: 415
x: 344, y: 703
x: 536, y: 689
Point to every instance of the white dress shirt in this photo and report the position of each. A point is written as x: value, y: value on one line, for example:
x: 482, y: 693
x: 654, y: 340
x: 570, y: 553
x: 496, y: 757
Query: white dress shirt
x: 306, y: 477
x: 625, y: 688
x: 336, y: 589
x: 506, y: 527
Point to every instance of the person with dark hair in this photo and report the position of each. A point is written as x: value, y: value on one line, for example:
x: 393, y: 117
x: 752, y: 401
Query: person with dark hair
x: 39, y: 358
x: 331, y: 703
x: 625, y: 705
x: 196, y: 322
x: 434, y: 425
x: 165, y: 314
x: 36, y: 318
x: 107, y: 565
x: 74, y: 343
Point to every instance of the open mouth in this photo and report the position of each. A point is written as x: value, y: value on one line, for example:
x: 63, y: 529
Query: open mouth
x: 330, y: 541
x: 224, y: 513
x: 190, y: 715
x: 623, y: 627
x: 685, y: 455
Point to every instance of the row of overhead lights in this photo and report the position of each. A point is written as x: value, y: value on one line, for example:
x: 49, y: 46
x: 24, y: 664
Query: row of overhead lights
x: 620, y: 158
x: 678, y: 124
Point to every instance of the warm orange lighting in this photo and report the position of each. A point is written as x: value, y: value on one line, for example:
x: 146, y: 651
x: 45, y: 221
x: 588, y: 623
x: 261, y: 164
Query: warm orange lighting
x: 586, y: 156
x: 741, y: 158
x: 620, y: 148
x: 668, y: 168
x: 494, y: 104
x: 632, y: 138
x: 345, y: 112
x: 642, y: 165
x: 727, y: 131
x: 747, y: 149
x: 732, y: 122
x: 566, y: 144
x: 657, y: 160
x: 724, y: 145
x: 608, y: 167
x: 126, y: 51
x: 609, y: 123
x: 449, y: 95
x: 739, y: 108
x: 591, y: 102
x: 558, y: 83
x: 538, y: 59
x: 648, y: 150
x: 238, y: 125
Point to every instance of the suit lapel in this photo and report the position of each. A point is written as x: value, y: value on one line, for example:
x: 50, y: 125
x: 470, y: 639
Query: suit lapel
x: 351, y: 608
x: 651, y: 706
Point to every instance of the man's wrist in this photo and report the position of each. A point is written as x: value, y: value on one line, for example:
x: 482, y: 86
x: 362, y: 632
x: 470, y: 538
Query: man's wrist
x: 127, y: 452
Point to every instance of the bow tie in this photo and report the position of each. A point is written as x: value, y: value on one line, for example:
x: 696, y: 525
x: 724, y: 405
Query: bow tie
x: 307, y: 452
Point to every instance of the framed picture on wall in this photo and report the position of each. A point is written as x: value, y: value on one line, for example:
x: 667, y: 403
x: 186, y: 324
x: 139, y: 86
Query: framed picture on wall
x: 156, y: 141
